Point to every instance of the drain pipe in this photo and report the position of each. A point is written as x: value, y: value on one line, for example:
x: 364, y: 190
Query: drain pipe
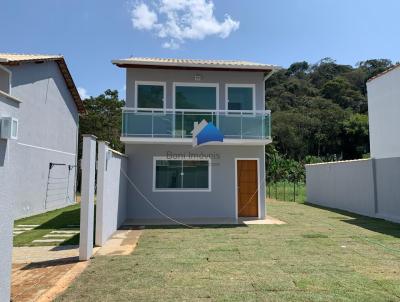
x: 266, y: 77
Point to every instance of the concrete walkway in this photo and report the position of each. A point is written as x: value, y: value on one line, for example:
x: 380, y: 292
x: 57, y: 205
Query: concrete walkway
x: 266, y: 220
x: 122, y: 243
x: 41, y: 273
x: 28, y: 254
x: 203, y: 221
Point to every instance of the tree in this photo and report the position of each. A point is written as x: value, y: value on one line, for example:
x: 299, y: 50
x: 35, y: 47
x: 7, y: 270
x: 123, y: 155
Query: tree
x: 103, y: 118
x: 355, y: 136
x: 299, y: 69
x: 321, y: 109
x: 342, y: 93
x: 374, y: 67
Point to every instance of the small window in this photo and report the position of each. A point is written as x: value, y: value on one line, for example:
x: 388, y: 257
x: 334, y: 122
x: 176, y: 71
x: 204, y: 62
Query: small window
x: 150, y: 95
x: 5, y: 80
x: 240, y: 97
x: 14, y: 129
x: 182, y: 175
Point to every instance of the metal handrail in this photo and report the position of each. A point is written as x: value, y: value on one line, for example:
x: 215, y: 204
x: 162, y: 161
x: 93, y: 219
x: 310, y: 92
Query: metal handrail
x: 150, y: 110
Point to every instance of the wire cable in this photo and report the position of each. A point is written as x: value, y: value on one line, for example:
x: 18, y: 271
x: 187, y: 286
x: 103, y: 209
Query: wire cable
x: 164, y: 214
x: 152, y: 205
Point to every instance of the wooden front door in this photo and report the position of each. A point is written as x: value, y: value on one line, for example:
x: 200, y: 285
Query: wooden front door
x: 247, y: 188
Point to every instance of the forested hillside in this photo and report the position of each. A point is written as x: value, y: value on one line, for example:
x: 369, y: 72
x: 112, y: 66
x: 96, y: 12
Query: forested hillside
x: 321, y: 109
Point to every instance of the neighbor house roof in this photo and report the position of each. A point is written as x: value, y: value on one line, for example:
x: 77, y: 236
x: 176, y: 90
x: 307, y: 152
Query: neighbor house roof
x: 383, y: 73
x: 15, y: 59
x: 193, y: 64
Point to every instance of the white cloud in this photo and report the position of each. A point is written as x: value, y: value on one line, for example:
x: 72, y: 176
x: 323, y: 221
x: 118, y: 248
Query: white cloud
x: 171, y: 44
x: 143, y: 17
x: 83, y: 93
x: 176, y: 21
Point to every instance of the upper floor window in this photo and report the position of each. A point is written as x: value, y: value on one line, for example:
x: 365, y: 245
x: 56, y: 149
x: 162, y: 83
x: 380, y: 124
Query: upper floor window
x: 150, y: 94
x: 240, y: 96
x: 195, y: 96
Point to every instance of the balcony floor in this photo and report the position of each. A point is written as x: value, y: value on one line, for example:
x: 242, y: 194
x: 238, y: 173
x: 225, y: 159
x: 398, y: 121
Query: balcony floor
x: 188, y: 141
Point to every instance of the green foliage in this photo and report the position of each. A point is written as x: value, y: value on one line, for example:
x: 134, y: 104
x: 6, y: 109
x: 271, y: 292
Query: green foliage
x: 281, y: 168
x: 375, y: 66
x: 104, y: 118
x: 355, y: 133
x: 321, y: 109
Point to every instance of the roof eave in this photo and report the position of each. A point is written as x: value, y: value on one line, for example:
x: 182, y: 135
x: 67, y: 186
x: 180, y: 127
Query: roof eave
x: 383, y: 73
x: 62, y: 65
x: 170, y: 65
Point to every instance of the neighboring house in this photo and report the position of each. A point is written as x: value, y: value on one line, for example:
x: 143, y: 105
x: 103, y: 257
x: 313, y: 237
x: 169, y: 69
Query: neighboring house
x: 166, y: 99
x: 38, y: 160
x: 368, y: 187
x: 7, y: 175
x: 383, y: 113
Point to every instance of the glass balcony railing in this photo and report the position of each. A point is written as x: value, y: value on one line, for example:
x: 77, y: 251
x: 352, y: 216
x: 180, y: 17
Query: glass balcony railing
x: 170, y: 123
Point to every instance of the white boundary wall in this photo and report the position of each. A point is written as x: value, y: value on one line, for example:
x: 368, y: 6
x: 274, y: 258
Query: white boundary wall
x: 368, y: 187
x: 87, y: 197
x: 387, y: 175
x: 111, y: 207
x: 347, y: 185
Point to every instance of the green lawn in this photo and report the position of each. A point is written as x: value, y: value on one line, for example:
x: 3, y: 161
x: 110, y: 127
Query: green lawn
x: 286, y: 191
x: 319, y: 255
x: 54, y: 220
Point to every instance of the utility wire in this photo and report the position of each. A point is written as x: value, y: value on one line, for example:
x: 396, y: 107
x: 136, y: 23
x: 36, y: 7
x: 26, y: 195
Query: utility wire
x: 164, y: 214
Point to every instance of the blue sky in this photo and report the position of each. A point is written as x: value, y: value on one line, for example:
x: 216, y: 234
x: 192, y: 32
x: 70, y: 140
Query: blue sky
x: 91, y: 33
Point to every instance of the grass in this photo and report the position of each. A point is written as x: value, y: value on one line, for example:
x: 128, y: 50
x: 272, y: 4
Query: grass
x: 54, y: 220
x: 285, y: 191
x: 319, y: 255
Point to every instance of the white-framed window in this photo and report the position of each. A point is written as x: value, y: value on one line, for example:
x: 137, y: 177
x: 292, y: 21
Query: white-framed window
x: 149, y: 94
x: 240, y: 96
x: 195, y: 95
x: 5, y: 79
x: 181, y: 175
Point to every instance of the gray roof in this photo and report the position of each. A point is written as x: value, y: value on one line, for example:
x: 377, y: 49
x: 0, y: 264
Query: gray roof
x: 15, y: 59
x: 193, y: 64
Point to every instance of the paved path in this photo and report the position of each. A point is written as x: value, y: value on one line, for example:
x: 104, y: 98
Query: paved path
x: 41, y: 273
x: 37, y: 269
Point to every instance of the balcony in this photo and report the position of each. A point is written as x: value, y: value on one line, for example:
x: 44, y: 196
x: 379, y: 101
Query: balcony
x: 176, y: 125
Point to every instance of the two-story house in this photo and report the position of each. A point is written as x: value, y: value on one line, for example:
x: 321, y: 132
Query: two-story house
x: 216, y: 182
x: 39, y: 115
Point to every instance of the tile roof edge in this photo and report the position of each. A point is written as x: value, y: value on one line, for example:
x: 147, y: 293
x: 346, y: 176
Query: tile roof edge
x: 383, y: 73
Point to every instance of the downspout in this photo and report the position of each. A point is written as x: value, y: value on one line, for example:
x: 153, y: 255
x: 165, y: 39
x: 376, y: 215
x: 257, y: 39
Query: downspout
x: 266, y: 77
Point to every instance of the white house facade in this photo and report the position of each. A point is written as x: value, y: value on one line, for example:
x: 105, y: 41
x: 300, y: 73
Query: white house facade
x: 41, y: 105
x: 215, y: 182
x: 383, y: 114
